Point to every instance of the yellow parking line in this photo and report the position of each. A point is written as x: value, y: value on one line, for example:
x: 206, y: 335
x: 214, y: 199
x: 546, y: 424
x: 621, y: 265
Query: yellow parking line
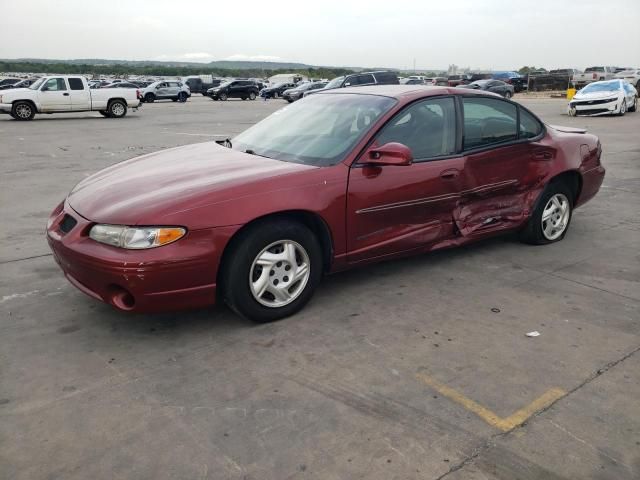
x: 504, y: 424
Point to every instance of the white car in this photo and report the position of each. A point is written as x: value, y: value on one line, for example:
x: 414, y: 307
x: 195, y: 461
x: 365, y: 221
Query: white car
x: 632, y: 76
x: 166, y: 90
x: 66, y: 94
x: 604, y: 98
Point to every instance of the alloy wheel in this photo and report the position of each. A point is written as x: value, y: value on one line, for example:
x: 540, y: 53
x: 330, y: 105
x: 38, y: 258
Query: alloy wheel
x: 23, y: 111
x: 117, y: 109
x: 555, y: 216
x: 279, y: 273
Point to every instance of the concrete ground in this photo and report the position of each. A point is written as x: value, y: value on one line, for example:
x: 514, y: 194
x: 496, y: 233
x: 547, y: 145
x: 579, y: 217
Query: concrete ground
x: 418, y: 368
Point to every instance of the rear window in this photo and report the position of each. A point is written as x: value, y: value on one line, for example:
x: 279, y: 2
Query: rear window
x: 76, y: 84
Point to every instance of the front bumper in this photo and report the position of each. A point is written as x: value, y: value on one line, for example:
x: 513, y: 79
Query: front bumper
x: 592, y: 109
x: 5, y: 107
x: 177, y: 276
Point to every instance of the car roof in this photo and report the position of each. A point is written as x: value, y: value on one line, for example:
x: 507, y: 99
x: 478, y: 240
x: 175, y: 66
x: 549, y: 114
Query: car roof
x: 402, y: 91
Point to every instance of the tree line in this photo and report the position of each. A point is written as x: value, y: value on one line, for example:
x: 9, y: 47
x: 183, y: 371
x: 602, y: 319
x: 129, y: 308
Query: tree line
x: 160, y: 70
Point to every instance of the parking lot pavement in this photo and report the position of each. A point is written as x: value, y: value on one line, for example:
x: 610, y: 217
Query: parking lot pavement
x: 417, y: 368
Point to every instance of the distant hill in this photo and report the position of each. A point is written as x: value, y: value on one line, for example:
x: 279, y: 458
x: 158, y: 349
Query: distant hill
x: 218, y: 64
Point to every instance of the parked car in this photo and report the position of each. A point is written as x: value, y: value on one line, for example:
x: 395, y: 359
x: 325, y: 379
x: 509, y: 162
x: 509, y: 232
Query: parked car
x: 122, y: 85
x: 97, y: 83
x: 64, y: 94
x: 277, y: 90
x: 604, y: 98
x: 440, y: 81
x: 21, y: 84
x: 412, y: 81
x: 593, y: 74
x: 293, y: 94
x: 512, y: 78
x: 9, y: 81
x: 382, y: 77
x: 166, y: 90
x: 244, y: 89
x: 197, y: 85
x: 632, y: 76
x: 345, y: 178
x: 494, y: 86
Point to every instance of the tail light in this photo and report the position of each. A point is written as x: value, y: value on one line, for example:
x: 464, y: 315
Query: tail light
x: 138, y: 94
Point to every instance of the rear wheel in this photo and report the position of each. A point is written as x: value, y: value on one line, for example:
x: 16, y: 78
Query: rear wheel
x: 550, y: 220
x: 182, y: 97
x: 634, y: 107
x: 149, y: 98
x: 117, y: 109
x: 252, y: 96
x: 272, y: 270
x: 23, y: 111
x: 275, y: 95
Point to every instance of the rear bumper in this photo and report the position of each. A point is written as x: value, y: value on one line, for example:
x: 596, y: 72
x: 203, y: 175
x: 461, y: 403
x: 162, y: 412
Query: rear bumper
x: 178, y: 276
x: 591, y: 182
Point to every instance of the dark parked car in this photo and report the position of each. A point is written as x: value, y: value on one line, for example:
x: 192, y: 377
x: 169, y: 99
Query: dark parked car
x: 276, y: 90
x: 495, y: 86
x: 235, y: 89
x: 21, y: 84
x: 559, y: 79
x: 512, y: 78
x: 343, y: 179
x: 9, y: 81
x: 197, y: 85
x: 382, y: 77
x: 293, y: 94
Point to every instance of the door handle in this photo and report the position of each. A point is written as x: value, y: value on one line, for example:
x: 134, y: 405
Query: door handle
x: 65, y: 94
x: 450, y: 174
x: 544, y: 155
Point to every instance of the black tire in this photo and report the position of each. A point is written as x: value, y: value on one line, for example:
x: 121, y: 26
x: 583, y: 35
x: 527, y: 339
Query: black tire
x: 117, y: 109
x: 182, y: 97
x: 223, y: 97
x: 104, y: 113
x: 507, y: 95
x: 239, y: 262
x: 533, y: 233
x: 252, y: 96
x: 149, y: 98
x: 204, y: 94
x: 243, y: 98
x: 174, y: 99
x: 623, y: 107
x: 634, y: 107
x: 23, y: 111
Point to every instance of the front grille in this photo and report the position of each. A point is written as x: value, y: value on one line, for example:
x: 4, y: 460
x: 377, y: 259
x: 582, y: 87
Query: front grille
x: 67, y: 223
x: 595, y: 102
x: 592, y: 111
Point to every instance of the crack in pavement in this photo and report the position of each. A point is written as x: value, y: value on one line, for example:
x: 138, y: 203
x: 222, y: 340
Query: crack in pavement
x: 26, y: 258
x: 491, y: 440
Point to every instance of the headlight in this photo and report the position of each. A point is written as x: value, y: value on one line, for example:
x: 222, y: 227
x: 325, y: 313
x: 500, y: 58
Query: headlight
x: 136, y: 238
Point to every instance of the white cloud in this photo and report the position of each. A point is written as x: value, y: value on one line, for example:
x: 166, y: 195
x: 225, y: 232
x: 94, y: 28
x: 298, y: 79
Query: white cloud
x: 197, y: 56
x: 252, y: 58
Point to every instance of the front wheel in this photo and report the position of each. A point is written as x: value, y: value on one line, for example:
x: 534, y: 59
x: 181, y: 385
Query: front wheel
x: 507, y: 95
x: 623, y: 107
x: 252, y: 96
x: 23, y: 111
x: 272, y: 270
x: 117, y: 109
x: 149, y: 98
x: 550, y: 219
x: 223, y: 97
x: 182, y: 97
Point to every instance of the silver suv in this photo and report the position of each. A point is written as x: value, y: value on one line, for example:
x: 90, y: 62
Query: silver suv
x: 166, y: 90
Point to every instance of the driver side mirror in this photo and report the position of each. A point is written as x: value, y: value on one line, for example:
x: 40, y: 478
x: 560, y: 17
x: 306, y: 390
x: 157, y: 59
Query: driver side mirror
x: 44, y: 88
x: 392, y: 153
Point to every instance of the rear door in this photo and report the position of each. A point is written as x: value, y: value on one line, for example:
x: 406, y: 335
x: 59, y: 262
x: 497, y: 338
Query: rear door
x: 503, y: 163
x: 54, y: 96
x: 80, y: 98
x: 392, y: 209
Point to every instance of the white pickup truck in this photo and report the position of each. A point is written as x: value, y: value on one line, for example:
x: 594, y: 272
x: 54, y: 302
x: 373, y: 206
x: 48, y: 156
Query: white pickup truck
x: 65, y: 94
x: 593, y: 74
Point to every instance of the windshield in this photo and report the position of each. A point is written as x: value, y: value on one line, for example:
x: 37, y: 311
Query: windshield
x: 225, y: 84
x: 602, y: 87
x: 319, y: 131
x: 36, y: 85
x: 335, y: 83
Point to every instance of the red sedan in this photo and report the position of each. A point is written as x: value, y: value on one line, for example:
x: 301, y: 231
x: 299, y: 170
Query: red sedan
x: 341, y: 179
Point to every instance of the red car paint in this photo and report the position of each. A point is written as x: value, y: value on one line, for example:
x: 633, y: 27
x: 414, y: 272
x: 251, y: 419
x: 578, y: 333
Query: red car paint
x: 370, y: 212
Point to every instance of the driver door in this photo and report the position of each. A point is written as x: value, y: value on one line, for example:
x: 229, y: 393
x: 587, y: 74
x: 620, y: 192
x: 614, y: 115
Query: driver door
x: 54, y: 96
x: 392, y: 209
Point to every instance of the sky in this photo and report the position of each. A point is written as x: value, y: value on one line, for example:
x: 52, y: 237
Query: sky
x: 481, y: 34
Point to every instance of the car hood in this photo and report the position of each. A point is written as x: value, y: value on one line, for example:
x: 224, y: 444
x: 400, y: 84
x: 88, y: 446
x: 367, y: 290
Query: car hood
x: 144, y: 190
x: 596, y: 95
x: 15, y: 91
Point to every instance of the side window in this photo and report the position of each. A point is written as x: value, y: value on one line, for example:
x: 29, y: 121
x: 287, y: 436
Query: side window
x: 530, y: 127
x: 366, y: 79
x: 76, y: 84
x: 488, y: 121
x: 55, y: 85
x: 350, y: 81
x: 428, y: 128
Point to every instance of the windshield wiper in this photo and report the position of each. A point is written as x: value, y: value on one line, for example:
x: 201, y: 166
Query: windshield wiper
x: 225, y: 143
x: 252, y: 152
